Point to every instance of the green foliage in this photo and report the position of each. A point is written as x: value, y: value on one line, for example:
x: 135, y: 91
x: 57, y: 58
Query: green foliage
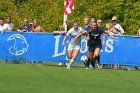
x: 50, y: 12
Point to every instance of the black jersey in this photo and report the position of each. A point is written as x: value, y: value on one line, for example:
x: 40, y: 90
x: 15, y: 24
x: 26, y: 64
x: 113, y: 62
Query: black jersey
x: 95, y: 35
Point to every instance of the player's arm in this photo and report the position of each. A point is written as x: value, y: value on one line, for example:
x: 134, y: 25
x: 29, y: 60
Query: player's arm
x: 19, y: 30
x: 104, y: 38
x: 116, y: 31
x: 86, y: 37
x: 79, y: 35
x: 64, y: 40
x: 109, y: 33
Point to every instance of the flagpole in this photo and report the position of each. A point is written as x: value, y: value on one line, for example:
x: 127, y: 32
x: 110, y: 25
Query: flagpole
x: 65, y: 21
x: 65, y: 16
x: 68, y: 8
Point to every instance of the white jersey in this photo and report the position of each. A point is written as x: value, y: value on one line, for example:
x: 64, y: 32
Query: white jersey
x: 118, y: 27
x: 73, y: 33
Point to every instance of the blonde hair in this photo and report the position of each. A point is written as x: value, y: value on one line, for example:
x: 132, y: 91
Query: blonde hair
x: 61, y: 28
x: 38, y: 29
x: 34, y: 25
x: 109, y: 26
x: 138, y: 32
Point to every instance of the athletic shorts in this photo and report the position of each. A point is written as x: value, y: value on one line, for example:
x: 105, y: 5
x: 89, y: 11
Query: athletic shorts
x: 93, y: 47
x: 73, y: 47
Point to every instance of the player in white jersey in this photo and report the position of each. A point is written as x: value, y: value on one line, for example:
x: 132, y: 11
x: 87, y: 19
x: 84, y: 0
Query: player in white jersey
x: 74, y: 45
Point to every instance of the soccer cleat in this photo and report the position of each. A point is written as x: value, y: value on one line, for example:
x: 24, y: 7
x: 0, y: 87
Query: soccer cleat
x: 66, y: 64
x: 90, y: 66
x: 97, y: 65
x: 87, y: 68
x: 94, y: 68
x: 60, y: 64
x: 68, y: 67
x: 100, y: 66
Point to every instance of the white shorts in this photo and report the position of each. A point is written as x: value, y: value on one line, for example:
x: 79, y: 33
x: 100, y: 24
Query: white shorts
x: 73, y: 47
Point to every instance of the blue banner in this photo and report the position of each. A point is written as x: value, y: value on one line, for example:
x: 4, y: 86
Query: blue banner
x: 122, y: 50
x: 48, y: 47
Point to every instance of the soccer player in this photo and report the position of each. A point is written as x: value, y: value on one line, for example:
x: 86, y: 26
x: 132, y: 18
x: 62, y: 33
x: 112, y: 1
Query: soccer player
x: 74, y: 45
x: 95, y: 43
x: 86, y: 27
x: 99, y: 24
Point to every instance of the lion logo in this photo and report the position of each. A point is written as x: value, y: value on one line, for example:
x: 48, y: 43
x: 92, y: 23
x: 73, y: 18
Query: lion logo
x: 20, y: 45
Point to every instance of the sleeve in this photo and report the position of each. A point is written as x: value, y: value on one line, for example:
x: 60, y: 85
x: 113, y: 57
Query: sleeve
x: 81, y: 29
x: 118, y: 27
x: 20, y: 28
x: 4, y: 27
x: 103, y: 31
x: 8, y: 27
x: 90, y: 30
x: 12, y: 26
x: 30, y: 29
x: 88, y: 27
x: 69, y: 32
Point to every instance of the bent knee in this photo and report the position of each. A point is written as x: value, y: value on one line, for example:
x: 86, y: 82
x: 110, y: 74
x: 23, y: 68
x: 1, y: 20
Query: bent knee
x: 69, y: 57
x: 96, y: 55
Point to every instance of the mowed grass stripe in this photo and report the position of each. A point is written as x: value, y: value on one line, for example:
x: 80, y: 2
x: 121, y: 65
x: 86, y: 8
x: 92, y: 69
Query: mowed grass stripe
x: 38, y: 78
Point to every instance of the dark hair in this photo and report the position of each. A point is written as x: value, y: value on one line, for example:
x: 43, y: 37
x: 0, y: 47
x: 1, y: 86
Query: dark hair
x: 94, y: 23
x: 74, y: 23
x: 1, y: 18
x: 9, y: 17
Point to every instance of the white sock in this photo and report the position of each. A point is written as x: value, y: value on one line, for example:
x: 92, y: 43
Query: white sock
x: 71, y: 62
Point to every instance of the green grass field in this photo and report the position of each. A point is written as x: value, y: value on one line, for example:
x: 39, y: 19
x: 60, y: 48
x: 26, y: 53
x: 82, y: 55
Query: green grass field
x: 38, y: 78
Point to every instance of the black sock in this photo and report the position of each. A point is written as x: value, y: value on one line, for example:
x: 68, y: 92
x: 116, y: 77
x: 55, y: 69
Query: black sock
x: 93, y: 63
x: 98, y: 59
x: 87, y: 63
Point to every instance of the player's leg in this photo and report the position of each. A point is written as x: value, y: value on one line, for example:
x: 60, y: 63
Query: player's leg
x: 95, y: 55
x: 85, y: 63
x: 90, y: 59
x: 98, y: 61
x: 74, y: 55
x: 70, y: 51
x: 69, y: 55
x: 90, y: 56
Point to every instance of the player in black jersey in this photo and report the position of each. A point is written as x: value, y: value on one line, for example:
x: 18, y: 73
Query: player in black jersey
x: 95, y: 43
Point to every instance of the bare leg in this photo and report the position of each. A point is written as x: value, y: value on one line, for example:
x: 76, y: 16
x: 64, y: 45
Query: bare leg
x: 90, y: 54
x: 75, y: 54
x: 69, y: 55
x: 96, y: 55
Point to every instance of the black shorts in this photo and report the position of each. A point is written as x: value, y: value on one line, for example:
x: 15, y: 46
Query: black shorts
x: 93, y: 47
